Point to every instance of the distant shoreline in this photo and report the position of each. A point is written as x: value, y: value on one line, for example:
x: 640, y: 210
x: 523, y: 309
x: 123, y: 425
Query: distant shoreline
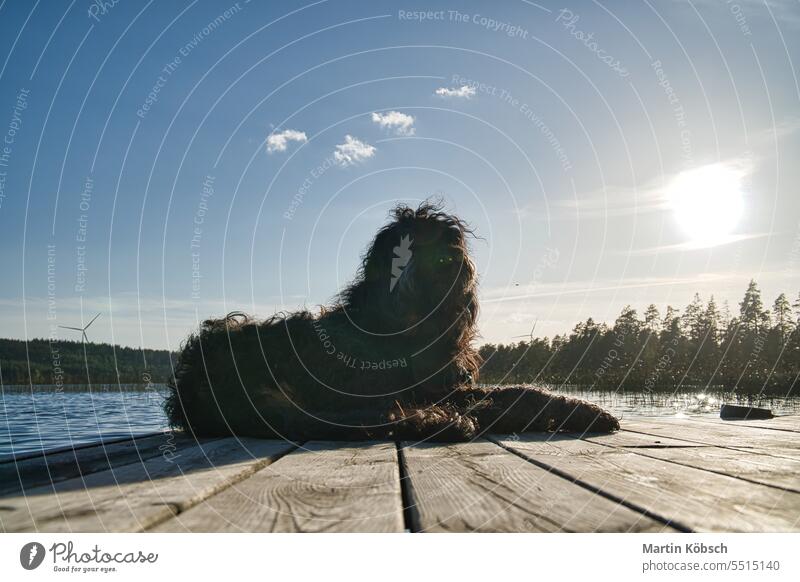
x: 706, y: 346
x: 63, y: 363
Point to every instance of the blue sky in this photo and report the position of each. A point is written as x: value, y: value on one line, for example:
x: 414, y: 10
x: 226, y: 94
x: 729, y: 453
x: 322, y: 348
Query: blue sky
x: 139, y: 183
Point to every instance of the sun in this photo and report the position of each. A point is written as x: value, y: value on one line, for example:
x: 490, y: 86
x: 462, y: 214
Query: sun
x: 707, y: 202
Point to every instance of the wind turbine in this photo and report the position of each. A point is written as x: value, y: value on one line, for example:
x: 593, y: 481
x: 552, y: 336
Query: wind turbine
x: 82, y: 329
x: 529, y: 335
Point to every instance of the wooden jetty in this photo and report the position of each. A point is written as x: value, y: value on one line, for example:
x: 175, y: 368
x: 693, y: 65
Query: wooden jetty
x: 655, y: 475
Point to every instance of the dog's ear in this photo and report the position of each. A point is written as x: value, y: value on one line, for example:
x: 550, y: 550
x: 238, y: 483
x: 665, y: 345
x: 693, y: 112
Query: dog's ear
x: 376, y: 264
x: 391, y: 244
x: 401, y: 259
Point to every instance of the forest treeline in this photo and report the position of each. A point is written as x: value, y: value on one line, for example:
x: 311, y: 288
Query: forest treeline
x: 752, y: 349
x: 41, y: 361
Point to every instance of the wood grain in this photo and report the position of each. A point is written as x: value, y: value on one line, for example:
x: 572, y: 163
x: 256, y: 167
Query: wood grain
x: 321, y: 487
x: 690, y: 498
x: 694, y: 474
x: 53, y: 466
x: 482, y: 487
x: 136, y: 496
x: 785, y: 423
x: 748, y: 465
x: 767, y: 442
x: 16, y: 457
x: 629, y: 439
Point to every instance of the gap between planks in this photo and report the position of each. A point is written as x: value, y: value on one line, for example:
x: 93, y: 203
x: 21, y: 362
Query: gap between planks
x: 63, y: 464
x: 480, y: 486
x: 779, y: 444
x: 678, y: 525
x: 689, y: 498
x: 410, y: 513
x: 382, y: 486
x: 136, y: 496
x: 12, y: 457
x: 787, y: 423
x: 748, y: 465
x: 323, y: 486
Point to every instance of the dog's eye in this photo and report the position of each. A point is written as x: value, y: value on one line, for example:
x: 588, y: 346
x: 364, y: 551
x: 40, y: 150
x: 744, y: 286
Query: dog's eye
x: 445, y: 260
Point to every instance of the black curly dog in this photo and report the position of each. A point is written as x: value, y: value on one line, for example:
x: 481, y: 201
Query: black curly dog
x: 391, y: 358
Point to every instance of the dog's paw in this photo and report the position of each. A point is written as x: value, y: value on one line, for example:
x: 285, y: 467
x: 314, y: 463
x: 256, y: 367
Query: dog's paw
x: 603, y: 422
x: 443, y: 423
x: 582, y: 416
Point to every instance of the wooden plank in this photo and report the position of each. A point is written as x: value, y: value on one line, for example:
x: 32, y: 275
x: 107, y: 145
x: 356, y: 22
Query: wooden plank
x: 690, y: 498
x: 136, y: 496
x: 54, y: 466
x: 14, y: 457
x: 725, y: 435
x: 324, y: 486
x: 749, y: 465
x: 480, y: 486
x: 630, y: 439
x: 784, y: 423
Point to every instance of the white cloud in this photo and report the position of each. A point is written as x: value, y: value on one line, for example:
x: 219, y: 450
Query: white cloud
x: 767, y: 137
x: 595, y: 287
x: 401, y: 123
x: 463, y: 92
x: 692, y: 245
x: 352, y: 151
x: 277, y: 142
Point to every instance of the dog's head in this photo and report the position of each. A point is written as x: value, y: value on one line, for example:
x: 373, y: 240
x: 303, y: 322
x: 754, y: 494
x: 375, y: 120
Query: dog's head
x: 416, y: 276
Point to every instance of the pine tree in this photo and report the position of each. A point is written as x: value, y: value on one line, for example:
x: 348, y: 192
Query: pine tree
x: 751, y: 309
x: 725, y: 317
x: 756, y: 350
x: 671, y: 318
x: 782, y: 311
x: 651, y: 319
x: 627, y: 324
x: 796, y: 306
x: 711, y: 321
x: 692, y: 320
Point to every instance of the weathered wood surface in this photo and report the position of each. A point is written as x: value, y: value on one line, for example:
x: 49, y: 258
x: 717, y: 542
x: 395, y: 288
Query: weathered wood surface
x: 137, y: 496
x: 689, y: 474
x: 724, y: 435
x: 482, y: 487
x: 748, y: 465
x: 320, y: 487
x: 101, y: 442
x: 31, y: 470
x: 785, y: 423
x: 688, y: 498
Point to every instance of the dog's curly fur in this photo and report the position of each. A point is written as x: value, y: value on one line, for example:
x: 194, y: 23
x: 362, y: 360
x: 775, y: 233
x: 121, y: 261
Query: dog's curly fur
x: 391, y: 358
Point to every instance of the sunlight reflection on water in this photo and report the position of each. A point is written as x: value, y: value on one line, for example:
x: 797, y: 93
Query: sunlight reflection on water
x: 678, y: 403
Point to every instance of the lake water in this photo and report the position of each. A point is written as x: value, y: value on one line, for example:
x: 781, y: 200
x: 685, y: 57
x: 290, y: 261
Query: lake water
x: 46, y: 418
x: 680, y: 403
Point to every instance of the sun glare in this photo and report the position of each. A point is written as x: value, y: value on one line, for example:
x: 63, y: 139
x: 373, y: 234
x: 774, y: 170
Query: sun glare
x: 707, y: 202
